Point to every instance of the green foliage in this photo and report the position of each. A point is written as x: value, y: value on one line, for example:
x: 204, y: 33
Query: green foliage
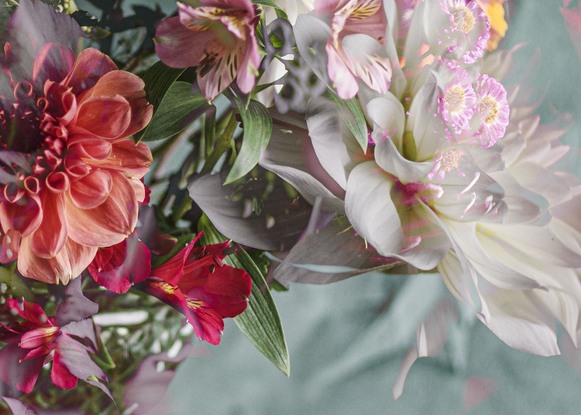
x: 257, y: 125
x: 260, y: 322
x: 354, y: 118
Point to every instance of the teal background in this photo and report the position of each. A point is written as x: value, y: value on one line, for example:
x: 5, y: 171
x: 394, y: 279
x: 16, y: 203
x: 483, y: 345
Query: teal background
x: 346, y: 347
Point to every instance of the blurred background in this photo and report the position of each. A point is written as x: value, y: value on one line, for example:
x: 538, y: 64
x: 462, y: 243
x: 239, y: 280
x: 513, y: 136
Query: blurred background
x: 347, y: 341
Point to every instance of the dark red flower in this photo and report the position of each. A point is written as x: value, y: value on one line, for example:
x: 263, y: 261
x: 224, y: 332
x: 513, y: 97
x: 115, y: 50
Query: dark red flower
x: 196, y: 283
x: 120, y: 266
x: 31, y: 343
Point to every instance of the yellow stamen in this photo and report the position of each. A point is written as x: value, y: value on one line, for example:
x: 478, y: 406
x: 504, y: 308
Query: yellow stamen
x: 455, y: 98
x: 463, y: 19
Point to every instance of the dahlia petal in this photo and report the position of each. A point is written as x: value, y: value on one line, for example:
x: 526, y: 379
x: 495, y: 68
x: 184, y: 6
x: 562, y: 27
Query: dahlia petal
x: 177, y: 46
x: 53, y: 62
x: 91, y: 190
x: 25, y: 216
x: 106, y: 117
x: 109, y: 223
x: 51, y: 235
x: 370, y: 209
x: 131, y: 87
x: 90, y: 66
x: 66, y: 265
x: 60, y: 374
x: 519, y: 322
x: 9, y: 246
x: 127, y: 157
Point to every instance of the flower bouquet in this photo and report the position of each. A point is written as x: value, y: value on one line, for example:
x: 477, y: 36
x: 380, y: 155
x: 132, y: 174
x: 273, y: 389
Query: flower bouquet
x: 164, y: 169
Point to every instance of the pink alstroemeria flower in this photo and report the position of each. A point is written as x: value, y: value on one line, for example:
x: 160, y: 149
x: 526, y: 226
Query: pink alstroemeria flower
x: 196, y: 283
x: 69, y: 176
x: 218, y: 38
x: 354, y: 45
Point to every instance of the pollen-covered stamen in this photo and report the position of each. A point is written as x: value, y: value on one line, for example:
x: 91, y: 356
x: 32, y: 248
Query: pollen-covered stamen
x: 463, y: 19
x: 164, y: 286
x: 191, y: 303
x: 455, y: 99
x: 492, y: 108
x: 447, y: 161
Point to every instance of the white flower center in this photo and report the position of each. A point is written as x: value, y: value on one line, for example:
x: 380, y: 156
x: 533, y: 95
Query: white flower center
x: 455, y: 98
x: 463, y: 19
x: 489, y: 106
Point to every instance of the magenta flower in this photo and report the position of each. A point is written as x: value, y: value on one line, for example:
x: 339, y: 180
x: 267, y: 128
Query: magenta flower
x: 196, y: 283
x: 218, y: 38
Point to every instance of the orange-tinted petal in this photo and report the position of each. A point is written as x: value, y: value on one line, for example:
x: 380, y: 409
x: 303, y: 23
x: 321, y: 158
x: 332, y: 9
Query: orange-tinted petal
x: 69, y: 262
x: 106, y: 117
x: 128, y: 157
x: 110, y: 222
x: 51, y: 235
x: 91, y: 190
x: 130, y: 87
x: 23, y: 216
x: 90, y: 65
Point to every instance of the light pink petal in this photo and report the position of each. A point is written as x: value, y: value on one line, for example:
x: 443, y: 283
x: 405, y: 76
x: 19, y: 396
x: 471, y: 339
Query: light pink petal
x: 343, y: 78
x: 51, y: 235
x: 246, y: 77
x: 91, y: 190
x: 178, y: 46
x: 214, y: 79
x: 109, y: 223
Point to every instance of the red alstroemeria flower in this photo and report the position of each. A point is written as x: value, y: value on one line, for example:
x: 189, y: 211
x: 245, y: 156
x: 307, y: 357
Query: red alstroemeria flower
x: 218, y: 38
x: 69, y: 176
x: 196, y: 283
x: 36, y: 341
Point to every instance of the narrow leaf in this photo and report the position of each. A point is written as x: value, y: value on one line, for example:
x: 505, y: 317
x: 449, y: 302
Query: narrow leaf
x: 257, y: 126
x: 260, y: 322
x: 354, y: 118
x: 178, y: 108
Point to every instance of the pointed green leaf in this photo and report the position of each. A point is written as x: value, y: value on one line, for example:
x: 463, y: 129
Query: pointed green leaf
x: 260, y: 322
x: 354, y: 118
x: 178, y: 108
x: 257, y: 126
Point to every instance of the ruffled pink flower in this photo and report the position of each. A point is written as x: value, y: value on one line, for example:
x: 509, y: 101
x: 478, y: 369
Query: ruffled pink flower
x: 196, y: 283
x: 218, y: 38
x: 457, y: 99
x: 69, y: 176
x: 352, y: 58
x: 468, y: 31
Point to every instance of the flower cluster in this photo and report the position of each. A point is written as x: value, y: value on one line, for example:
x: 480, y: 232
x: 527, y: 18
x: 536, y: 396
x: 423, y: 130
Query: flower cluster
x: 281, y: 141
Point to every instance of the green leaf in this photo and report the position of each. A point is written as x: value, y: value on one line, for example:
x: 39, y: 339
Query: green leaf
x: 271, y: 3
x: 353, y: 117
x: 178, y: 108
x: 257, y: 126
x: 260, y: 322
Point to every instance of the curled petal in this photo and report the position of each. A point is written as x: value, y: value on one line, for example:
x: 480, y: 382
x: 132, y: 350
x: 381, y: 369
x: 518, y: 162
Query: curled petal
x: 106, y: 117
x: 90, y: 65
x: 91, y: 190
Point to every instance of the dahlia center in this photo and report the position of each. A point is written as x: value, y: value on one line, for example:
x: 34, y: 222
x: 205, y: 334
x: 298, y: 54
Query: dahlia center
x: 463, y: 19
